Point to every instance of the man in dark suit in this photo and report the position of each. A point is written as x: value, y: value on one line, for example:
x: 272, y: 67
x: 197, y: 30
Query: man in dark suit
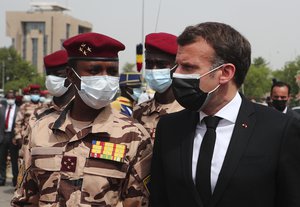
x: 8, y: 113
x: 280, y: 96
x: 249, y: 156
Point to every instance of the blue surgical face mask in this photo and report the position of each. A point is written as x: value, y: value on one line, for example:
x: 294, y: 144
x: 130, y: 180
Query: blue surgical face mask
x: 136, y: 93
x: 35, y: 97
x: 158, y: 79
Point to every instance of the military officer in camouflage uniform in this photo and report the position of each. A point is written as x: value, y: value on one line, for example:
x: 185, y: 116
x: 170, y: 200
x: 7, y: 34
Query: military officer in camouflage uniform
x: 89, y: 154
x: 130, y: 87
x: 24, y: 113
x: 161, y: 49
x: 59, y: 87
x: 56, y: 79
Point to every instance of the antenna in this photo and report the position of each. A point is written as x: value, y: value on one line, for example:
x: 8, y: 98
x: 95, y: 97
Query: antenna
x: 158, y: 12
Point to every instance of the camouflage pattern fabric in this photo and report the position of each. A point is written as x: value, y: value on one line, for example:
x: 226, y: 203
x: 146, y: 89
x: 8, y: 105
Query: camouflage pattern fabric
x: 63, y: 173
x: 23, y: 118
x: 149, y: 112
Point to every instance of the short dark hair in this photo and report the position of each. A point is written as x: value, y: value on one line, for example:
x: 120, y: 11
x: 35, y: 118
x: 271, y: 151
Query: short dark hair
x: 229, y: 45
x: 281, y: 84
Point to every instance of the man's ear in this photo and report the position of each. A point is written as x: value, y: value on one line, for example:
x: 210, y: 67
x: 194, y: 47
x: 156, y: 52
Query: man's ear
x: 228, y: 72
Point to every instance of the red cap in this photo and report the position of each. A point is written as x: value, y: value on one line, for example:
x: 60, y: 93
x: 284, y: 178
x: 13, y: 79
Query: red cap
x: 44, y: 93
x: 164, y: 42
x: 93, y: 46
x: 56, y: 59
x: 34, y: 87
x: 25, y: 90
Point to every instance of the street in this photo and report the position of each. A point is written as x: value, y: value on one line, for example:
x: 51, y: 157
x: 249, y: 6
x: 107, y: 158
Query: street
x: 6, y: 192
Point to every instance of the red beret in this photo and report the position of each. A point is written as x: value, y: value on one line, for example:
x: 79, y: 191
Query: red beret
x: 44, y: 92
x: 162, y: 41
x: 25, y: 90
x: 34, y: 86
x: 93, y: 46
x: 56, y: 59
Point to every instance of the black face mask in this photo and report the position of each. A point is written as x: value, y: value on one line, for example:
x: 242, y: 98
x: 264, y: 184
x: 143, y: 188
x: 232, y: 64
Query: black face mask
x: 279, y: 104
x: 188, y: 94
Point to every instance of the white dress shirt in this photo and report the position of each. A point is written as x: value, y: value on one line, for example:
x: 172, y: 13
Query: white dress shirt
x: 11, y: 117
x: 223, y: 136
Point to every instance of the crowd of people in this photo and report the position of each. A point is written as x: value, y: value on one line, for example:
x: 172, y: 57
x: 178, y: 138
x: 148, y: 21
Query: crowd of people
x: 102, y: 140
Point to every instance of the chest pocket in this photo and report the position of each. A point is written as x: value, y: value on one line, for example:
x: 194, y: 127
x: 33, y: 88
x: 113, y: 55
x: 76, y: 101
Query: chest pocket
x: 102, y: 182
x: 46, y: 164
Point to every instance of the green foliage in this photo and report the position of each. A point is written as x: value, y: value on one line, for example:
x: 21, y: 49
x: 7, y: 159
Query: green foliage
x: 258, y: 80
x: 287, y: 75
x: 18, y: 72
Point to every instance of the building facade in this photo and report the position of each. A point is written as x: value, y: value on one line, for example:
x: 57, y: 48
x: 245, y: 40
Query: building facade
x: 41, y: 31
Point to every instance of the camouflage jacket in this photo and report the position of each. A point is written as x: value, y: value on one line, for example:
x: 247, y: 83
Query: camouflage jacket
x: 70, y: 168
x: 23, y: 118
x: 149, y: 112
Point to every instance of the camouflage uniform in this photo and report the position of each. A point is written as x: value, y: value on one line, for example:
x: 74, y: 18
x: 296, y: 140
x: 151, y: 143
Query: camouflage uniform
x: 64, y: 173
x: 23, y: 118
x: 149, y: 112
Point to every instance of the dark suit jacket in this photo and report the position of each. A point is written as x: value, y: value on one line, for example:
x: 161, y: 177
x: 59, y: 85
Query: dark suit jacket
x: 291, y: 112
x: 261, y: 167
x: 3, y: 107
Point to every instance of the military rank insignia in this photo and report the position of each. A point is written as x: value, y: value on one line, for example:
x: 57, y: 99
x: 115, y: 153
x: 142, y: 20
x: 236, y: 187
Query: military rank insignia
x: 68, y: 164
x: 108, y: 151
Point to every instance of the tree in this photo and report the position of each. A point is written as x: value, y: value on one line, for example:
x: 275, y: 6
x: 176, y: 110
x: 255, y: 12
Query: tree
x: 258, y: 80
x: 288, y: 75
x: 128, y: 67
x: 18, y: 72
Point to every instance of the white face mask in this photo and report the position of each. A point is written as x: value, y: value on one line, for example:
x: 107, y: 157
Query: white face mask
x: 98, y: 91
x: 158, y: 79
x: 55, y: 85
x: 26, y: 98
x: 11, y: 101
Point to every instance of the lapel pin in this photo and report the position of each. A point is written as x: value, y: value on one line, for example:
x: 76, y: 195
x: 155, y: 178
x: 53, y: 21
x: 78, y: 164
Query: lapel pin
x: 244, y: 125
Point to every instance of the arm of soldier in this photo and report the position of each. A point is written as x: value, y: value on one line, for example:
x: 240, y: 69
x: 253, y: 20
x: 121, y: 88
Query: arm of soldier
x: 288, y: 179
x: 136, y: 192
x: 18, y: 126
x: 26, y: 193
x: 158, y: 195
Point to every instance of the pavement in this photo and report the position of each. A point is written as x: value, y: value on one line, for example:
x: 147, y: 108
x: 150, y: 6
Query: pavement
x: 6, y: 192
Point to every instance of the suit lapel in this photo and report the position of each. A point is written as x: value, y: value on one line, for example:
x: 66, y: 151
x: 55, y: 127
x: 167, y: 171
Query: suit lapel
x: 187, y: 139
x: 241, y: 134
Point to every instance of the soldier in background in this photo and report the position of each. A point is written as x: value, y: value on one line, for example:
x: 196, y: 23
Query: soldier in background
x: 26, y: 95
x: 57, y: 85
x: 25, y: 111
x: 89, y: 154
x: 130, y: 87
x: 161, y: 49
x: 56, y: 80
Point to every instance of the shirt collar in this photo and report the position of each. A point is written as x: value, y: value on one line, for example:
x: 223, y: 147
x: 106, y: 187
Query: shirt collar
x: 230, y: 111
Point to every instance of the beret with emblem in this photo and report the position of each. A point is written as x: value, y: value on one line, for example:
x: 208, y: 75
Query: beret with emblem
x: 58, y: 59
x: 164, y: 42
x: 130, y: 79
x: 93, y: 46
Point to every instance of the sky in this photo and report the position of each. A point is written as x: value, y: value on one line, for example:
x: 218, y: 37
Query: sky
x: 271, y: 26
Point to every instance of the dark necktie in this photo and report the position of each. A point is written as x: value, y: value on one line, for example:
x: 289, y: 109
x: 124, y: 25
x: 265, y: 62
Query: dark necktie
x: 7, y: 117
x: 203, y: 184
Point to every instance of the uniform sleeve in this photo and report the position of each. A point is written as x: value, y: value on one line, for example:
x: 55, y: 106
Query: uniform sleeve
x: 26, y: 193
x: 135, y: 192
x: 19, y: 123
x: 288, y: 178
